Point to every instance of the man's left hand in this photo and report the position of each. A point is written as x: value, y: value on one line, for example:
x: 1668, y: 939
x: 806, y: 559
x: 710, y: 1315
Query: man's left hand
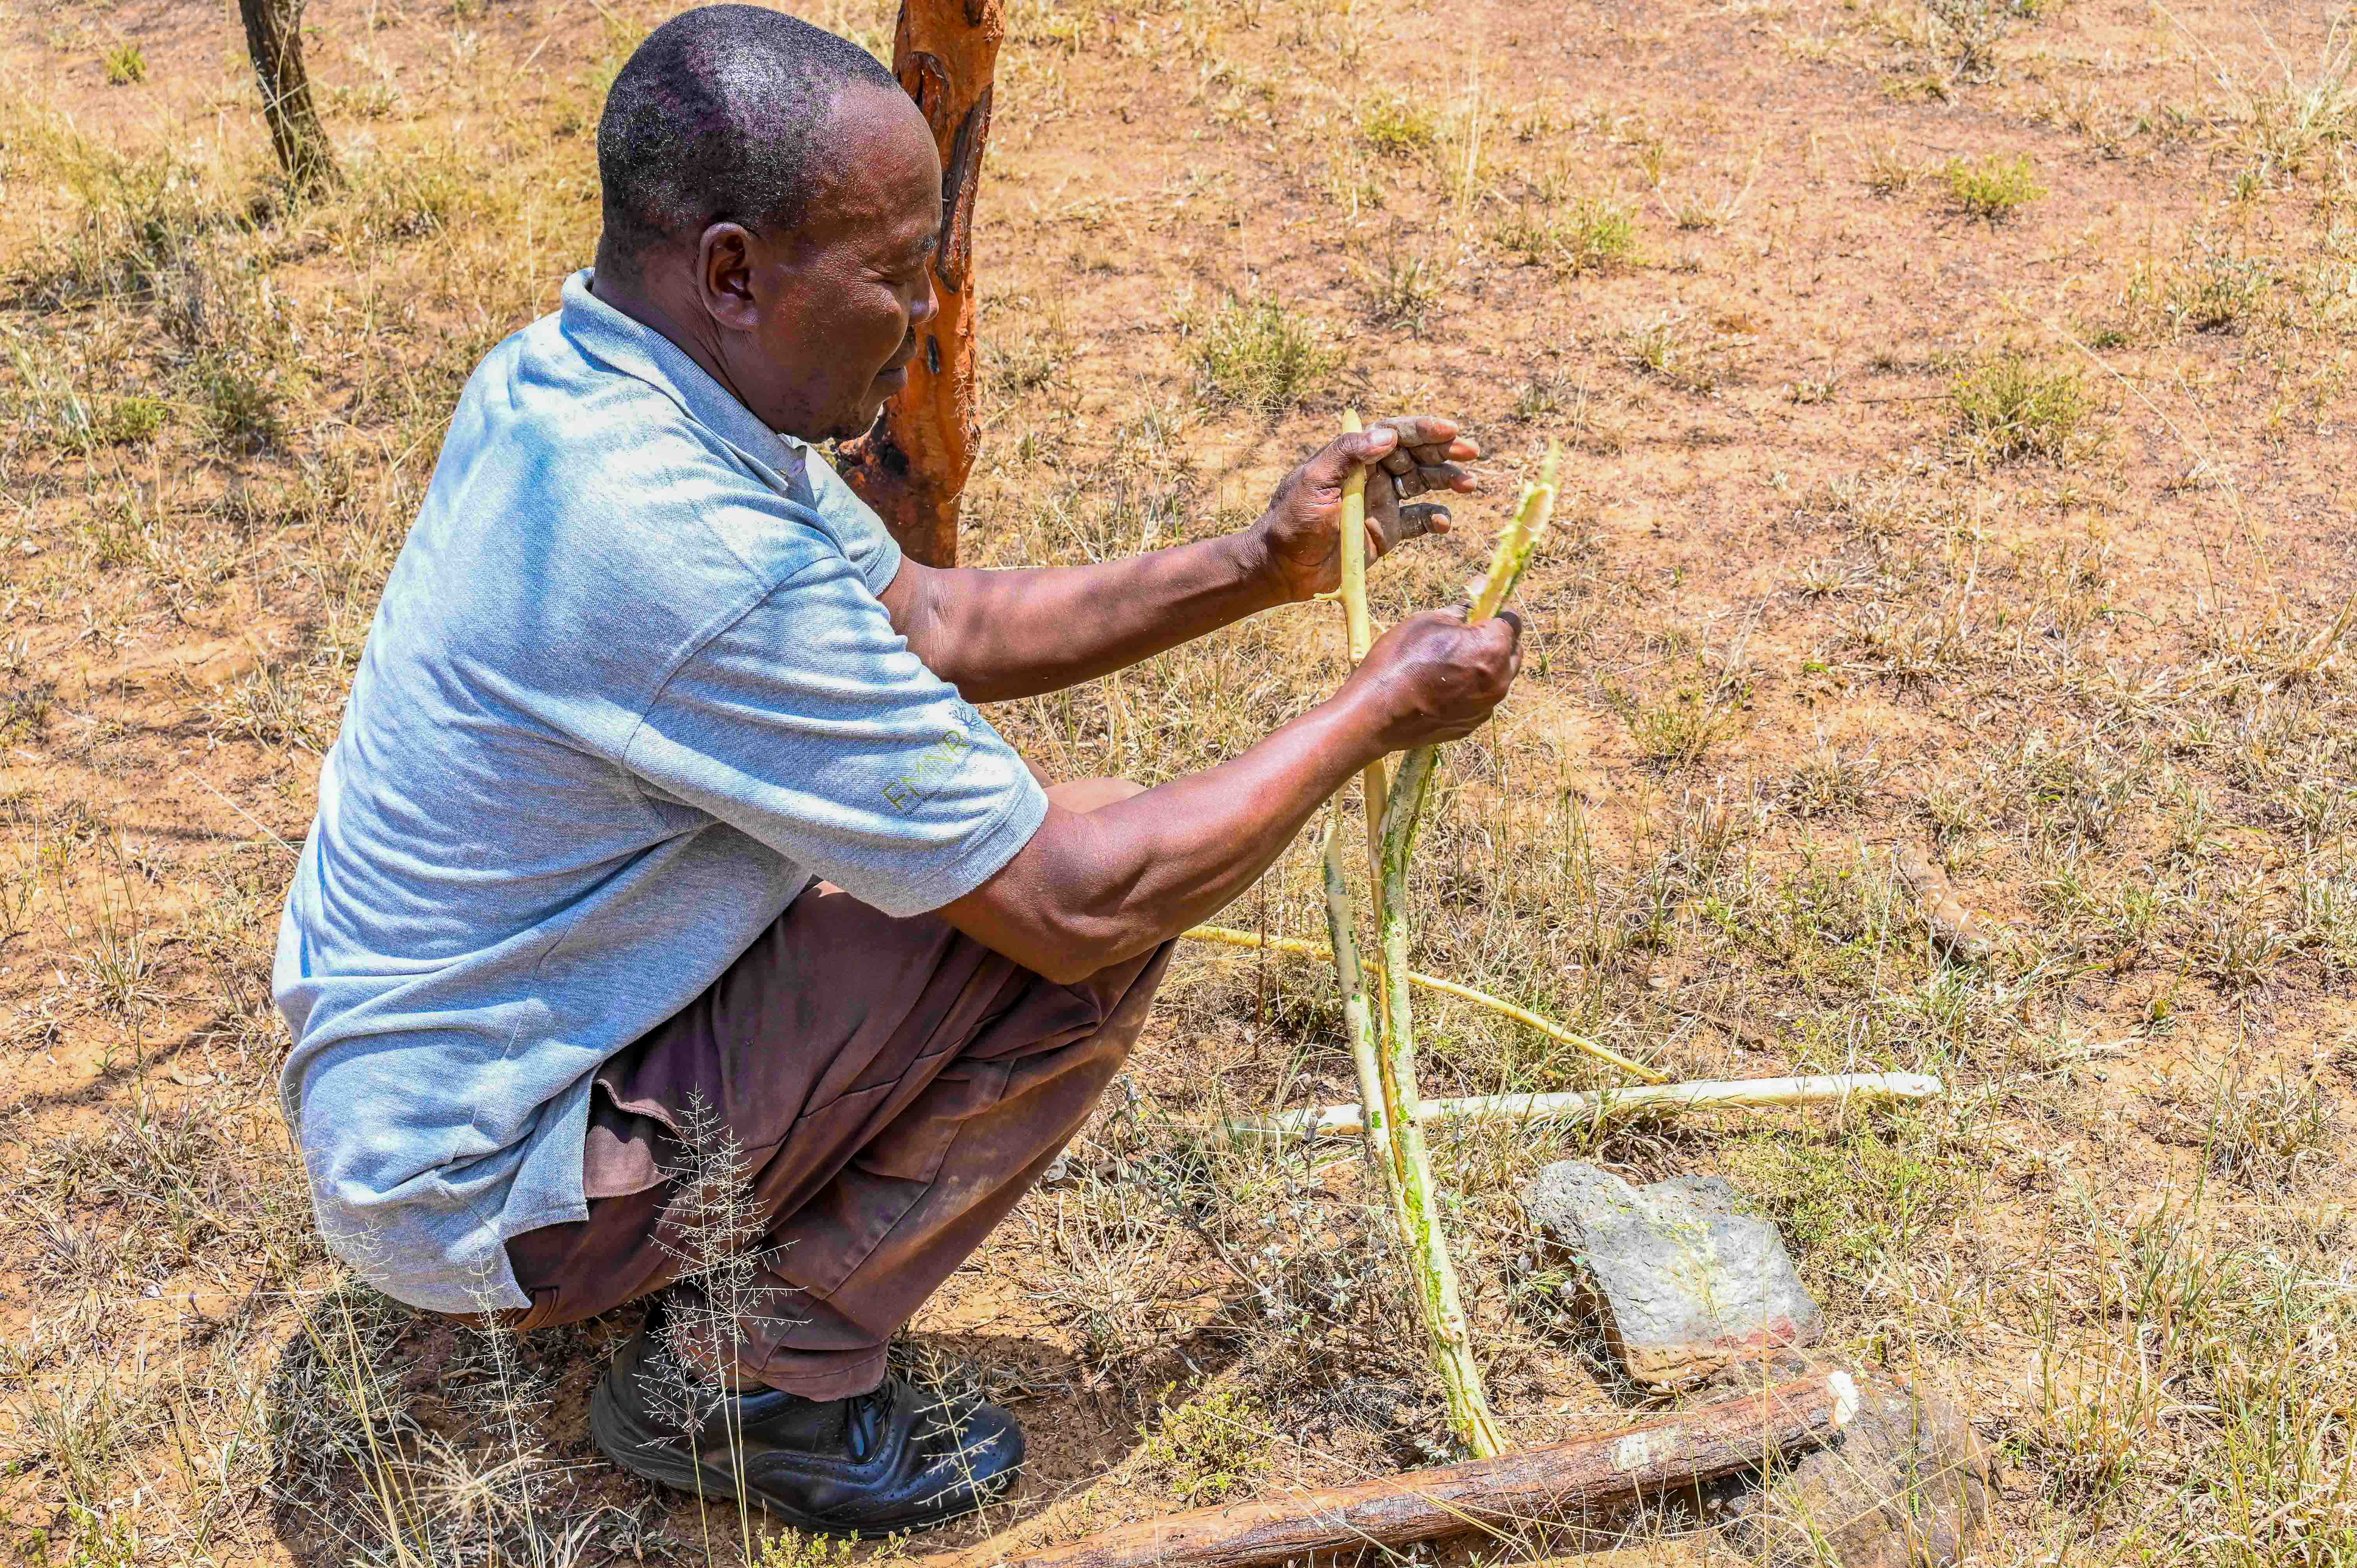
x: 1405, y: 458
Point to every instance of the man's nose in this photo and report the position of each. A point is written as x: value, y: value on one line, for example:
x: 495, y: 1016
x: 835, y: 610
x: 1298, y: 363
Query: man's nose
x: 929, y: 304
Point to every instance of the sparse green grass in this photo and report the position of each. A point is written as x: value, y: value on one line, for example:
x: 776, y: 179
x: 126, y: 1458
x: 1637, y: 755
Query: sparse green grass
x: 2010, y: 407
x: 2271, y: 1132
x: 1852, y: 1204
x: 272, y: 707
x: 1027, y: 363
x: 1679, y: 733
x: 795, y: 1548
x: 126, y: 63
x: 1993, y: 188
x: 24, y: 710
x: 1398, y: 128
x: 1262, y: 356
x: 1401, y: 294
x: 1211, y: 1448
x: 126, y: 421
x: 1590, y: 235
x: 1669, y: 349
x: 1886, y: 171
x: 1965, y: 35
x: 2219, y: 294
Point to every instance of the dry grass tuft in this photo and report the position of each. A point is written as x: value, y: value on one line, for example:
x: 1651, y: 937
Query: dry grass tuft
x: 1993, y: 188
x: 2010, y: 407
x: 1260, y: 356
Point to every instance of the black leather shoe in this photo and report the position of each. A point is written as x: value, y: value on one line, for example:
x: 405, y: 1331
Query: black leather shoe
x: 893, y: 1459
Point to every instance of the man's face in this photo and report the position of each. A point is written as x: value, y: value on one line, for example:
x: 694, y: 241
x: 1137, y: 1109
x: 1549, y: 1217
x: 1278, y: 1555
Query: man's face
x: 838, y: 305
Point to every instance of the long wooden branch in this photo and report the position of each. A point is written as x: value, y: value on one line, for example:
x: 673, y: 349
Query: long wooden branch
x: 1562, y: 1481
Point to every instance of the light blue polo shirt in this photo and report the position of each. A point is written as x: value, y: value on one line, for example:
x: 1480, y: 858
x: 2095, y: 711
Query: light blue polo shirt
x: 629, y: 689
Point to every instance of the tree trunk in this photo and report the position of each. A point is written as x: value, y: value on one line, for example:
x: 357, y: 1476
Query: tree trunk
x: 911, y: 466
x: 273, y: 36
x: 1562, y: 1482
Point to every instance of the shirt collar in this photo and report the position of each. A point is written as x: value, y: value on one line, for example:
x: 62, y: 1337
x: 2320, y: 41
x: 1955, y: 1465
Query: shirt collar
x: 637, y: 350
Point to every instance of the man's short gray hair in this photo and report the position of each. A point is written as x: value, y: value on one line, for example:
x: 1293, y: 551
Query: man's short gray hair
x: 718, y: 117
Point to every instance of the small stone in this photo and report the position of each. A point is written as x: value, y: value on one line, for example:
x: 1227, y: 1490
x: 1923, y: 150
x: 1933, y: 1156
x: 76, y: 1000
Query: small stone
x: 1906, y: 1485
x: 1683, y: 1280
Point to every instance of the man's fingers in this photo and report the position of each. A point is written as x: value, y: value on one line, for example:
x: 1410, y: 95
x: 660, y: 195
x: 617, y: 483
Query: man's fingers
x: 1459, y: 450
x: 1407, y: 459
x: 1370, y: 447
x: 1424, y: 439
x: 1422, y: 453
x: 1419, y: 429
x: 1513, y: 621
x: 1429, y: 516
x: 1418, y: 479
x: 1387, y: 527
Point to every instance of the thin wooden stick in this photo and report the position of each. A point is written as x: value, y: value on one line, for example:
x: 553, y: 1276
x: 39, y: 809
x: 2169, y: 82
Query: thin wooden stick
x: 1729, y: 1094
x: 1227, y: 936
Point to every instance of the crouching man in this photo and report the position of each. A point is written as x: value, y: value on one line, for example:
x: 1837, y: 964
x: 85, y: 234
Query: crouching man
x: 661, y: 819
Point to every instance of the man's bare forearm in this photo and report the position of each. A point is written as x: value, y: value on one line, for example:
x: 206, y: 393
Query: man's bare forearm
x: 995, y: 635
x: 1094, y: 888
x: 1017, y: 633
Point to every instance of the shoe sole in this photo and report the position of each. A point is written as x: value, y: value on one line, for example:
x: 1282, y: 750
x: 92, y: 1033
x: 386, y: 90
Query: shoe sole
x: 653, y: 1456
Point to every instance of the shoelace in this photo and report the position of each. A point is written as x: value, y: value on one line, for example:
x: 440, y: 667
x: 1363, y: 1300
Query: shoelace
x: 864, y: 1418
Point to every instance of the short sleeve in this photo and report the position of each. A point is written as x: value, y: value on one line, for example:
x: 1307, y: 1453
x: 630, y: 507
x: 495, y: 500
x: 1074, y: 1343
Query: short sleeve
x: 854, y: 524
x: 808, y: 725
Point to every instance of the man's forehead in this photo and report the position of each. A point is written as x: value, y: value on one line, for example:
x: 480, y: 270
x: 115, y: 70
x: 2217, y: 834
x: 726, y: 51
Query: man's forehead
x: 882, y: 166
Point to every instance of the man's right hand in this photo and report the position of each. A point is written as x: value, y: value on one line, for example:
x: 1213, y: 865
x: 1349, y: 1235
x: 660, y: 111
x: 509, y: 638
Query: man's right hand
x: 1433, y: 678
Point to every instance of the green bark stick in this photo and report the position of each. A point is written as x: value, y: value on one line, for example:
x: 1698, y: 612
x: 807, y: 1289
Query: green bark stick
x: 1427, y: 1245
x: 1358, y: 1015
x: 1435, y: 1272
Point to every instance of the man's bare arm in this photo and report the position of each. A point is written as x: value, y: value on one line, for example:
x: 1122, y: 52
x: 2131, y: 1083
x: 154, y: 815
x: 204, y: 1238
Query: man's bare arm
x: 996, y: 635
x: 1093, y: 888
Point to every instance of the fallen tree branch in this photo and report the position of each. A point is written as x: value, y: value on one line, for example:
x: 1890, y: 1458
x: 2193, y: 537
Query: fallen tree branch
x: 1734, y: 1094
x: 1562, y: 1481
x: 1228, y: 936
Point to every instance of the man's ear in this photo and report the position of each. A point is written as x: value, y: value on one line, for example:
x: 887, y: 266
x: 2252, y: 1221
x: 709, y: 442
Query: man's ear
x: 724, y: 275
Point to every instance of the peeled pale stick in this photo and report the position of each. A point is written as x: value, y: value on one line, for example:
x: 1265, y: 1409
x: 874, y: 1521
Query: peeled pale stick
x: 1360, y: 627
x: 1341, y: 913
x: 1605, y: 1104
x: 1953, y: 926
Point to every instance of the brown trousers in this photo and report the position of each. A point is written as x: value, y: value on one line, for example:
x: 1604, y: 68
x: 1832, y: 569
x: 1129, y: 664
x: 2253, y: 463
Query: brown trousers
x: 891, y: 1087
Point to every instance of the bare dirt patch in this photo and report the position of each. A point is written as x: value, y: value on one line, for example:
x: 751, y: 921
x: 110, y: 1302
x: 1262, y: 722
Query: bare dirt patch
x: 1957, y: 395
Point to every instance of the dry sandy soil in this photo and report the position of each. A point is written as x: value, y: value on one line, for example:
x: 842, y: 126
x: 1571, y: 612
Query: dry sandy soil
x: 1955, y: 403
